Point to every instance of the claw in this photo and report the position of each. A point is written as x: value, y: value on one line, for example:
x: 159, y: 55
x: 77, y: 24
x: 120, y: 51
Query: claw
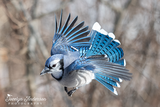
x: 71, y: 91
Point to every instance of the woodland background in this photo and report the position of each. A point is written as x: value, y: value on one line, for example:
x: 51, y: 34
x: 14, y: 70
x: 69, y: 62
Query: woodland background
x: 26, y: 32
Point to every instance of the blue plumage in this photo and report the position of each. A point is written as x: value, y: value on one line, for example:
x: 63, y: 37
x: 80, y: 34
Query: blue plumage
x: 76, y: 59
x: 101, y: 44
x: 111, y: 46
x: 107, y: 79
x: 82, y: 49
x: 115, y: 54
x: 74, y: 29
x: 103, y: 82
x: 115, y: 78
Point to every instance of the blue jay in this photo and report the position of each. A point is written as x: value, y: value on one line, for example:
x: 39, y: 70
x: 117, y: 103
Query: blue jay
x: 77, y: 59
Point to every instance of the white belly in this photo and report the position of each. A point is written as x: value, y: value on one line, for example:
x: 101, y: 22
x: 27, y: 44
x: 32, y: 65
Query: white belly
x: 77, y: 79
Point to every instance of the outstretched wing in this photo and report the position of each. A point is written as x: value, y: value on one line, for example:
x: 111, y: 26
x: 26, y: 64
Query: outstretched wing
x: 105, y: 72
x: 70, y: 38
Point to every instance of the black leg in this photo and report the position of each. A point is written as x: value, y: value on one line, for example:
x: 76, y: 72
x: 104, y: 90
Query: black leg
x: 65, y: 88
x: 72, y: 91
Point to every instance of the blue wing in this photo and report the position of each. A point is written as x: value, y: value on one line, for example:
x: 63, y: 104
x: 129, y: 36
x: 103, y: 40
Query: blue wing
x: 70, y: 38
x: 105, y: 45
x: 105, y: 72
x: 104, y: 59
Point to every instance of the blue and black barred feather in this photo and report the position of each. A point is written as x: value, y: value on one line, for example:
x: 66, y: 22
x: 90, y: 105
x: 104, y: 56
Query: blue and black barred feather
x: 110, y: 67
x: 105, y: 45
x: 98, y: 51
x: 107, y: 73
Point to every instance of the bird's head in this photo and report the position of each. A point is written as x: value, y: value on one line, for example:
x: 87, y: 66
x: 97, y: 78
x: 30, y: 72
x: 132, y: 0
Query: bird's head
x: 54, y: 65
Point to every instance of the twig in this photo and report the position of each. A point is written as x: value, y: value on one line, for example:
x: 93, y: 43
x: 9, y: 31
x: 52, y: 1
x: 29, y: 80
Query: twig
x: 119, y: 13
x: 34, y: 32
x: 115, y: 9
x: 120, y: 16
x: 63, y: 5
x: 33, y: 9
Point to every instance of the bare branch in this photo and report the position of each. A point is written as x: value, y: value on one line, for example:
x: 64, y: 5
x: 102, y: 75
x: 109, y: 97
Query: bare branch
x: 34, y: 32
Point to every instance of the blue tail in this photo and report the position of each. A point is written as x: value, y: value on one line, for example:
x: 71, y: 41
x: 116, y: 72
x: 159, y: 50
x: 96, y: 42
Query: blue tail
x: 109, y: 70
x: 121, y: 62
x: 107, y: 82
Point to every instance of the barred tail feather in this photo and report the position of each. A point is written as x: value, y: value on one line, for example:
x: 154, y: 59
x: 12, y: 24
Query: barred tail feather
x: 109, y: 74
x: 105, y: 83
x: 106, y: 56
x: 108, y: 80
x: 121, y: 62
x: 110, y: 69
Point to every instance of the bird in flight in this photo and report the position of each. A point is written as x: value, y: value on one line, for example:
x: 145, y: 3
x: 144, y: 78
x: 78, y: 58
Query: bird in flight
x: 79, y: 56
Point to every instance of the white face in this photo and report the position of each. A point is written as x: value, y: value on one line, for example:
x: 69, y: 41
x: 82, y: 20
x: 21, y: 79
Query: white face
x: 54, y: 66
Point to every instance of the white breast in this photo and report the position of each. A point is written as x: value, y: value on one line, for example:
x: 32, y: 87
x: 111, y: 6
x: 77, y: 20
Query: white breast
x: 77, y: 79
x: 85, y: 77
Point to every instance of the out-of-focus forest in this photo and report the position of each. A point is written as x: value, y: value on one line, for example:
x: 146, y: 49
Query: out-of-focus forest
x: 26, y: 32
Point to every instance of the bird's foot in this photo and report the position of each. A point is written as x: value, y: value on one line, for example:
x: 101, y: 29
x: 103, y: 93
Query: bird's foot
x: 71, y: 91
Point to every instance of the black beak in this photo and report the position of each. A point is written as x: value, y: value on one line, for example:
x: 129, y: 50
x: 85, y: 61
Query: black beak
x: 45, y: 70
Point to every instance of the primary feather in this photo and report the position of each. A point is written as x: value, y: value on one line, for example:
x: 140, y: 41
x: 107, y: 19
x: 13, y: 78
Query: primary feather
x: 76, y: 59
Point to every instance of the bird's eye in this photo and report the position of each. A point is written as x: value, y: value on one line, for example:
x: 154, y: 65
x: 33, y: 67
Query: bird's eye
x: 53, y: 65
